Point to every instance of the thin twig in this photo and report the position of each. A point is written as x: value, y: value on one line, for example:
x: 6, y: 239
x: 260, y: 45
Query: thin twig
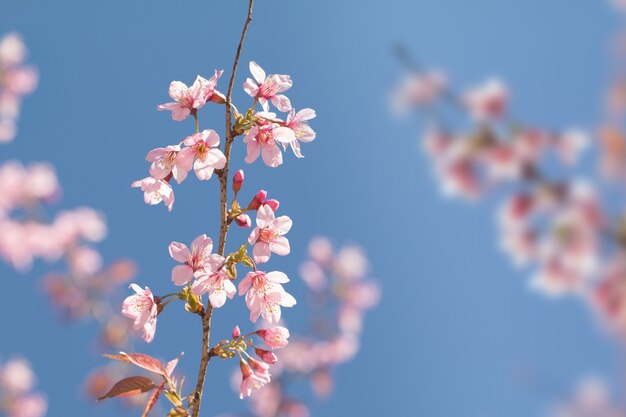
x: 224, y: 224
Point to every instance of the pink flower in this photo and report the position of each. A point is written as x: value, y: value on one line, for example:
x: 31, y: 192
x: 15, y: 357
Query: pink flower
x: 189, y: 99
x: 263, y: 140
x: 243, y: 220
x: 267, y: 88
x: 238, y: 180
x: 260, y: 198
x: 266, y: 356
x: 155, y: 191
x: 274, y: 337
x: 303, y: 132
x: 487, y: 101
x: 143, y: 309
x: 251, y: 380
x: 268, y: 236
x: 17, y: 376
x: 32, y: 405
x: 203, y: 147
x: 265, y: 295
x: 194, y: 260
x: 169, y: 160
x: 214, y: 281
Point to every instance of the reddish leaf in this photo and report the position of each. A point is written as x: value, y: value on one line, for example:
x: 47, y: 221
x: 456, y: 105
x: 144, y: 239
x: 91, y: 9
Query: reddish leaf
x: 143, y: 361
x: 129, y: 386
x: 153, y: 399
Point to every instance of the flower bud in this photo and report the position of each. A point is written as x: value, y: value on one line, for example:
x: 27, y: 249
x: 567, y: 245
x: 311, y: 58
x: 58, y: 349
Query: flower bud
x: 243, y: 220
x: 238, y: 180
x: 273, y: 204
x: 275, y: 337
x: 236, y: 333
x: 266, y: 356
x: 246, y: 371
x: 257, y: 200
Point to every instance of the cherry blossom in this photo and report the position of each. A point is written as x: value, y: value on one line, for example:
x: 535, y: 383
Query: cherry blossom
x: 266, y: 88
x: 155, y: 191
x: 265, y: 295
x: 275, y: 337
x: 214, y: 281
x: 303, y: 132
x: 169, y: 160
x: 263, y: 139
x: 267, y: 236
x: 190, y: 99
x: 203, y: 146
x: 142, y: 308
x: 194, y: 260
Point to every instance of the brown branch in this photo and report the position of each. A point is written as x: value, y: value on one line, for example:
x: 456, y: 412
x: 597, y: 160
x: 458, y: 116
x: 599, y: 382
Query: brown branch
x: 224, y: 223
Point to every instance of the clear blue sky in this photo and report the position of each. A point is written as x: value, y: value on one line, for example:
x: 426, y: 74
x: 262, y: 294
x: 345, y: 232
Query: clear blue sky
x: 457, y: 322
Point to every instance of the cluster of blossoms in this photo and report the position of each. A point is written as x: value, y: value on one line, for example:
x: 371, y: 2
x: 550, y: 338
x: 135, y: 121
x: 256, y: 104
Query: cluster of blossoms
x: 17, y: 395
x: 203, y: 270
x: 16, y: 81
x: 340, y: 296
x: 265, y: 134
x: 25, y: 191
x: 550, y: 219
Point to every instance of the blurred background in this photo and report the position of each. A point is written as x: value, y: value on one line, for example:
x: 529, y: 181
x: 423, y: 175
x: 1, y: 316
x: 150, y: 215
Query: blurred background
x: 457, y: 332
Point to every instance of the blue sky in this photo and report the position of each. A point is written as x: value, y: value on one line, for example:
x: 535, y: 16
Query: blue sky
x: 457, y: 323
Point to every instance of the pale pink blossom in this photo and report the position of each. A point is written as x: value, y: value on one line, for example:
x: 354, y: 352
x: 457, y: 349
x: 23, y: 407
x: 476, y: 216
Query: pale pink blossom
x: 169, y: 160
x: 303, y: 132
x: 265, y: 295
x: 268, y: 236
x: 214, y: 280
x: 155, y: 191
x: 193, y: 260
x: 266, y: 88
x: 31, y: 405
x: 251, y: 380
x: 16, y: 376
x: 275, y: 337
x: 487, y: 101
x: 243, y: 220
x: 203, y: 147
x: 142, y: 308
x: 263, y: 139
x: 418, y: 90
x: 190, y: 99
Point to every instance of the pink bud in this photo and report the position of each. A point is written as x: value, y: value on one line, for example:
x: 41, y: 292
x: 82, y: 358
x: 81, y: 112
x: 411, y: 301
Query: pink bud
x: 266, y: 356
x: 243, y: 220
x: 245, y: 369
x: 236, y: 333
x: 273, y: 204
x: 260, y: 367
x: 274, y: 337
x: 238, y: 180
x: 257, y: 200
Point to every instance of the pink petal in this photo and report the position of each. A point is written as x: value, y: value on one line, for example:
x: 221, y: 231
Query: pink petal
x: 257, y: 72
x: 280, y: 246
x: 179, y: 251
x: 181, y: 274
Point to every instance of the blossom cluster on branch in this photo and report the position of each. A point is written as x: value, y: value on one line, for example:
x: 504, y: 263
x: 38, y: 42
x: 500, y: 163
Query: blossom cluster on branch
x: 204, y: 268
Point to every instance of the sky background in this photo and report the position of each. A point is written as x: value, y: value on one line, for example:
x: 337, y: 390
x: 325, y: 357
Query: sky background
x: 457, y: 325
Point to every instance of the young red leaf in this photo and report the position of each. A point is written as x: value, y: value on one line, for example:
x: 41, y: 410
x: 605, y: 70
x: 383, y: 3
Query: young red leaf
x: 143, y: 361
x: 153, y: 399
x: 129, y: 386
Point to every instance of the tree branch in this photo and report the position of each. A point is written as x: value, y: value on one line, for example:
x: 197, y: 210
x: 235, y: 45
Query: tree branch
x: 223, y: 178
